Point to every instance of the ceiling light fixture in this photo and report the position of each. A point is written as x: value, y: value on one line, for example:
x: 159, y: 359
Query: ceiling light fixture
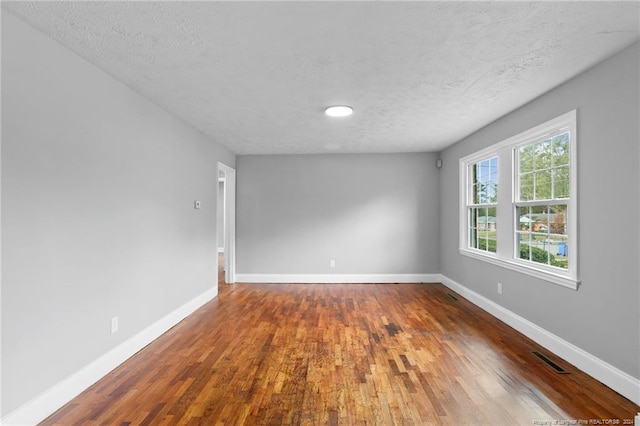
x: 339, y: 111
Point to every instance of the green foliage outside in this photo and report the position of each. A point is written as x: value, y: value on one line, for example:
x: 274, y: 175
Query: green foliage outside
x: 544, y: 169
x: 482, y: 245
x: 538, y: 255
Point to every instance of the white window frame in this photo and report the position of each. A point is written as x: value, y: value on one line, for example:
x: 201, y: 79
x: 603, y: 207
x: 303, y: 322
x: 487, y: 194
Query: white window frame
x: 505, y: 255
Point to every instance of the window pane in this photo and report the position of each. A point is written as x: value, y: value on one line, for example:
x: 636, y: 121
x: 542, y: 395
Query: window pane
x: 485, y: 181
x: 475, y: 194
x: 482, y: 223
x: 558, y: 220
x: 493, y: 193
x: 541, y: 235
x: 561, y: 182
x: 542, y: 184
x: 542, y: 152
x: 481, y: 193
x: 561, y: 150
x: 539, y: 220
x: 524, y: 215
x: 473, y: 232
x: 492, y: 244
x: 486, y: 193
x: 491, y: 230
x: 523, y: 241
x: 482, y: 228
x: 526, y: 158
x: 526, y: 187
x: 494, y: 169
x: 559, y: 247
x: 544, y: 172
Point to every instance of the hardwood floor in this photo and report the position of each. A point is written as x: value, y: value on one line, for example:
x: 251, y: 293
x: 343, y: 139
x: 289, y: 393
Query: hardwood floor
x: 350, y: 354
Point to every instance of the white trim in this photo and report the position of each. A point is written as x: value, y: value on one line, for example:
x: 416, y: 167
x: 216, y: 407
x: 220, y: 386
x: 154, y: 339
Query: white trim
x: 229, y: 222
x: 616, y: 379
x: 338, y: 278
x: 220, y: 249
x: 61, y: 393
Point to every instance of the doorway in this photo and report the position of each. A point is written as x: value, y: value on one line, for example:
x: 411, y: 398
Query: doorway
x: 220, y: 228
x: 226, y: 214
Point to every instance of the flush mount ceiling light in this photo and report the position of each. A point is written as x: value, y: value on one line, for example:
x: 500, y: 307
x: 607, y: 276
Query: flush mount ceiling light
x: 339, y: 111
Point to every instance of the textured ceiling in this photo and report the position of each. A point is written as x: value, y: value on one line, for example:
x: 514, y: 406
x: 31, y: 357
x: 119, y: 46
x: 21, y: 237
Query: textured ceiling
x: 256, y: 76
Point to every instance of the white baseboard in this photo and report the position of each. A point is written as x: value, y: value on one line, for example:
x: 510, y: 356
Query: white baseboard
x: 220, y: 249
x: 337, y: 278
x: 616, y: 379
x: 51, y: 400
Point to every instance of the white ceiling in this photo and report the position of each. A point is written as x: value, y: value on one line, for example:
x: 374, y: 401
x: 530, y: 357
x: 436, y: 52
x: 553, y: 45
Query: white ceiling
x: 256, y: 76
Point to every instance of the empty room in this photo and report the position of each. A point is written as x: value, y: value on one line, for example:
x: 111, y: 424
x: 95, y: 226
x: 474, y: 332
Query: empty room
x: 320, y: 213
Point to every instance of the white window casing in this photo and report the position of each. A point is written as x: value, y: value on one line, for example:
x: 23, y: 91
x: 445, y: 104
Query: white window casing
x: 508, y: 247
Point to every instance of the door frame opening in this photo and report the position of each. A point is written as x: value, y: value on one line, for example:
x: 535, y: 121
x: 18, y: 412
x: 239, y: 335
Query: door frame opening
x: 229, y: 220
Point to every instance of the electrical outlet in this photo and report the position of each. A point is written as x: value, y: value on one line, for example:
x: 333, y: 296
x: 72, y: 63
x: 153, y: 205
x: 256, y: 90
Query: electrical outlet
x: 114, y: 325
x: 196, y: 204
x: 499, y: 288
x: 332, y: 263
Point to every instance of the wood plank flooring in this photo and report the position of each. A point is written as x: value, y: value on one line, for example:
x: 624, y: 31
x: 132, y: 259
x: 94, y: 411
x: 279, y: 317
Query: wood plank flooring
x: 342, y: 354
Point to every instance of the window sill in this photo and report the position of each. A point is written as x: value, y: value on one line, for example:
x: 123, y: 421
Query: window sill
x: 563, y: 280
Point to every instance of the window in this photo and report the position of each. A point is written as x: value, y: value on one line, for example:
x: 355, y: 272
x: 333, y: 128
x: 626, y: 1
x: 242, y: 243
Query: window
x: 482, y: 203
x: 541, y: 201
x: 519, y: 202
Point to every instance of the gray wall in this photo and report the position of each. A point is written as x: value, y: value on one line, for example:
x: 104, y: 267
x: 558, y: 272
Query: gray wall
x: 602, y: 316
x: 373, y: 214
x: 98, y: 187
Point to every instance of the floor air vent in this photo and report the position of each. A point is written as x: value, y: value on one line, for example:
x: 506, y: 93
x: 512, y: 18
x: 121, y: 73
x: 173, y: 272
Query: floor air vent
x: 550, y: 363
x: 451, y: 296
